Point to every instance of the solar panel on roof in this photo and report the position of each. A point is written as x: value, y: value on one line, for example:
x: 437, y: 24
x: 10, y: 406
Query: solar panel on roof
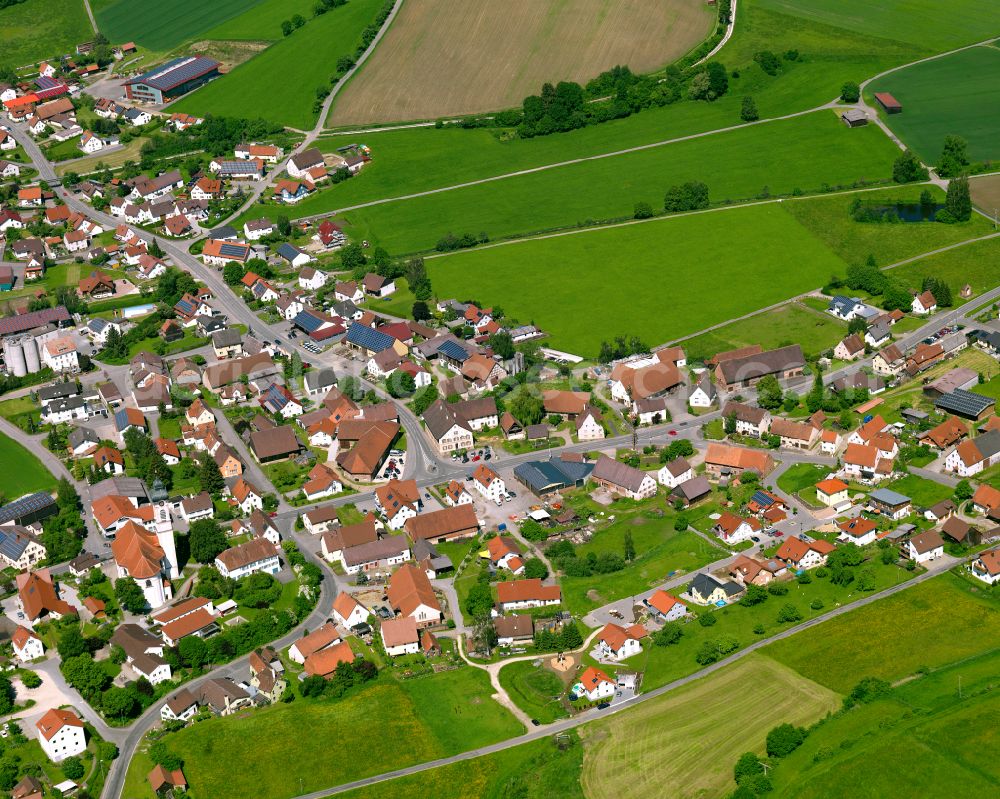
x: 307, y: 321
x: 368, y: 338
x: 453, y: 350
x: 966, y: 403
x: 25, y: 505
x: 233, y: 250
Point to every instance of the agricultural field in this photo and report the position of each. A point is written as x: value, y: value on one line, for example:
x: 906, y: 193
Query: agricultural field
x: 262, y: 20
x: 792, y: 323
x: 889, y: 639
x: 23, y: 473
x: 280, y: 84
x: 436, y: 716
x: 959, y: 93
x: 38, y: 29
x: 986, y: 193
x: 163, y: 26
x: 926, y: 23
x: 506, y: 51
x: 608, y: 188
x: 608, y: 264
x: 689, y: 739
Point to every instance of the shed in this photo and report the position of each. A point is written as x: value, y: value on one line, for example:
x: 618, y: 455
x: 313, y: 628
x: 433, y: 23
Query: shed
x: 888, y: 102
x: 854, y: 118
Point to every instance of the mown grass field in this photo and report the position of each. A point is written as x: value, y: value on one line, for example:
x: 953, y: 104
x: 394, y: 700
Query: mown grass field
x: 609, y: 188
x: 39, y: 29
x: 280, y: 84
x: 690, y: 739
x: 505, y: 51
x: 959, y: 93
x: 647, y: 279
x: 379, y: 728
x: 790, y: 324
x: 164, y: 25
x: 23, y: 473
x: 940, y: 621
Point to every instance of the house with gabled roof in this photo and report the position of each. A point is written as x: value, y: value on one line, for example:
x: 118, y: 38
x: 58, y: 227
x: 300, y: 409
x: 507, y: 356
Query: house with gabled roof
x: 620, y: 478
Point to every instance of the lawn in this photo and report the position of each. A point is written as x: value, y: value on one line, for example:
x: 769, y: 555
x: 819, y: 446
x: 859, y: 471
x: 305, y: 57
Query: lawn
x: 793, y: 323
x: 23, y: 473
x: 608, y: 188
x: 891, y: 639
x: 802, y: 476
x: 280, y: 84
x: 923, y: 728
x: 40, y: 29
x: 690, y: 739
x: 534, y: 689
x: 112, y: 160
x: 589, y: 287
x: 538, y: 770
x: 415, y: 720
x: 399, y: 303
x: 660, y: 552
x: 504, y: 52
x: 163, y: 26
x: 959, y: 93
x: 922, y: 491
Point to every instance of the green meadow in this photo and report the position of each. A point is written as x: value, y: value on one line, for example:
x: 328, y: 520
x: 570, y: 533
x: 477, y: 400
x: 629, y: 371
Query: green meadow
x: 959, y: 93
x: 608, y: 188
x: 280, y: 84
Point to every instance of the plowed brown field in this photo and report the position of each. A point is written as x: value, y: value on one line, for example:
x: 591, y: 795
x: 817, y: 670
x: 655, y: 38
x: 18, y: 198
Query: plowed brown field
x: 443, y: 57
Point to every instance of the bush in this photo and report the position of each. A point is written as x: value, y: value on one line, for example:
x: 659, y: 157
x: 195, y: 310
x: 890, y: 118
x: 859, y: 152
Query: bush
x: 707, y: 620
x: 789, y: 613
x: 73, y: 768
x: 777, y: 589
x: 754, y: 595
x: 867, y: 691
x: 850, y: 92
x: 784, y: 739
x: 31, y: 680
x: 748, y: 765
x: 669, y: 634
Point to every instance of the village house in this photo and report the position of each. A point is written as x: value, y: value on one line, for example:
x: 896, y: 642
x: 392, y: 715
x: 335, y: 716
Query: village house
x: 987, y: 566
x: 400, y: 636
x: 529, y: 593
x: 505, y: 553
x: 675, y: 472
x: 319, y: 639
x: 832, y: 492
x: 665, y: 607
x: 802, y: 555
x: 622, y: 479
x: 924, y: 547
x: 61, y: 734
x: 750, y: 420
x: 595, y: 685
x: 615, y: 642
x: 858, y: 531
x: 732, y: 528
x: 974, y: 455
x: 410, y: 594
x: 704, y: 589
x: 722, y: 459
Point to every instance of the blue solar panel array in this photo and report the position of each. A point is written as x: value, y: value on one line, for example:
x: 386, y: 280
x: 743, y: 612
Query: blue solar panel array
x: 308, y: 321
x: 12, y: 544
x: 288, y: 252
x: 25, y: 505
x: 368, y: 338
x: 175, y: 72
x: 454, y: 350
x: 234, y: 250
x: 762, y: 499
x: 239, y: 168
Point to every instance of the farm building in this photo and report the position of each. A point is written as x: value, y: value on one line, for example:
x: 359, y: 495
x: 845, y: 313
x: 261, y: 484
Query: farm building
x: 888, y: 102
x: 171, y: 80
